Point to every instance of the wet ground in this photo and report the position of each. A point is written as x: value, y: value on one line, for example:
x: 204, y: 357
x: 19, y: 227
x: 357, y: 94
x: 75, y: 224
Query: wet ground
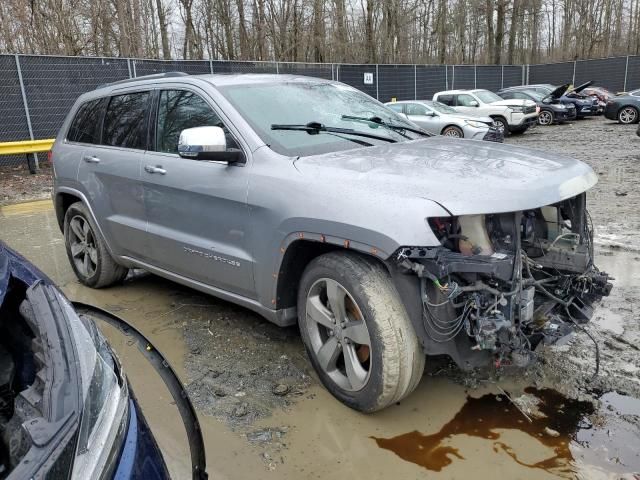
x: 264, y: 414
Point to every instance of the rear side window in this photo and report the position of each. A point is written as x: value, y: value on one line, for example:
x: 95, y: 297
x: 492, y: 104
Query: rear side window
x: 125, y: 122
x: 507, y: 95
x: 179, y: 110
x: 396, y: 107
x: 446, y: 99
x: 85, y: 127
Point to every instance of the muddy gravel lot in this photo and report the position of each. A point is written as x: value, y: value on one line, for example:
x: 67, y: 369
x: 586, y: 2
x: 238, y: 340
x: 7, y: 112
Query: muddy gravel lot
x: 265, y: 415
x: 18, y: 185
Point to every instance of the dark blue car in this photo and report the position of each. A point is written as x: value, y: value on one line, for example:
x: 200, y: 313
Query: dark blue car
x: 66, y: 408
x: 585, y: 105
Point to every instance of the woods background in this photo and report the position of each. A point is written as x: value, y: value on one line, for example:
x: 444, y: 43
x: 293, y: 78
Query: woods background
x: 359, y: 31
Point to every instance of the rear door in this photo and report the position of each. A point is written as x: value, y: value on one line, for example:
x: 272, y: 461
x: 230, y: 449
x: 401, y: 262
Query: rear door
x: 196, y: 210
x: 110, y: 172
x: 421, y: 115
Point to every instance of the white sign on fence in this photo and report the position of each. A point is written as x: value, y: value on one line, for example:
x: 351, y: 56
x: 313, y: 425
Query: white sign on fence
x: 368, y: 78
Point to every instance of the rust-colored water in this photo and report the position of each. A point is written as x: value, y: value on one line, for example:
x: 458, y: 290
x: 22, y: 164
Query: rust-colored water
x: 485, y: 417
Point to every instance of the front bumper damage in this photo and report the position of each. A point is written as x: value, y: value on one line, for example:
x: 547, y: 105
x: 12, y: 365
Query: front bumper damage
x: 501, y: 285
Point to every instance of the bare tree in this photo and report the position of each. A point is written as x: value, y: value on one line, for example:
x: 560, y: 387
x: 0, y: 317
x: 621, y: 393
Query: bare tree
x: 399, y: 31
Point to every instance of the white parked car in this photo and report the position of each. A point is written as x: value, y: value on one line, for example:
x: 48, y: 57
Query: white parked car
x: 440, y: 119
x: 514, y: 116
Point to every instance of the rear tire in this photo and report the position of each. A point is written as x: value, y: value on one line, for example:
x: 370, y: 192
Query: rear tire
x: 452, y: 131
x: 375, y: 359
x: 628, y: 115
x: 87, y: 251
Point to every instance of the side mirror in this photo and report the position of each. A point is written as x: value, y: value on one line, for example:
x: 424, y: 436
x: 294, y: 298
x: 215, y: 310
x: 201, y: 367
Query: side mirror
x: 431, y: 114
x: 473, y: 103
x: 207, y: 143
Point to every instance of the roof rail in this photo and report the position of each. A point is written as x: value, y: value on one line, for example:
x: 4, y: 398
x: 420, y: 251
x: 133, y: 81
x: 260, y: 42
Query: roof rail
x: 145, y: 77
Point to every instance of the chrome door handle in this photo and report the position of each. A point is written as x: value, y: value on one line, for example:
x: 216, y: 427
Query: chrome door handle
x: 152, y: 169
x: 91, y: 159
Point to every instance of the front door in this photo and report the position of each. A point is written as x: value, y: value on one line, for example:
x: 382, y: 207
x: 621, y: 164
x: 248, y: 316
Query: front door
x: 424, y: 117
x: 465, y: 103
x: 196, y: 211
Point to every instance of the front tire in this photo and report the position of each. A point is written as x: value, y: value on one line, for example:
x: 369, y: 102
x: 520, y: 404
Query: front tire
x: 87, y: 251
x: 628, y: 115
x: 545, y: 118
x: 501, y: 124
x: 357, y: 332
x: 453, y: 131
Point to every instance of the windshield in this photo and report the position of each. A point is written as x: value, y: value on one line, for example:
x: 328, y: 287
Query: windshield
x: 441, y: 107
x: 535, y: 95
x: 295, y: 102
x: 487, y: 97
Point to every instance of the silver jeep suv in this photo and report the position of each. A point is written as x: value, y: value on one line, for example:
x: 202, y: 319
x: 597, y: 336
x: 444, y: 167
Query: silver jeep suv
x: 307, y: 201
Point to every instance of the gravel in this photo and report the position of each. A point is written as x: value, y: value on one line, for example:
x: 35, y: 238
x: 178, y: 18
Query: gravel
x: 18, y: 185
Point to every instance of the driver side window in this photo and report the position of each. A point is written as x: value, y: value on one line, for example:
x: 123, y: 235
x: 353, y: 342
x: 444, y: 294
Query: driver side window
x: 415, y: 109
x: 465, y: 100
x: 179, y: 110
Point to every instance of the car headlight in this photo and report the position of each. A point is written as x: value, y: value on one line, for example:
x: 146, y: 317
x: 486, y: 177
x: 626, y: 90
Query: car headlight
x: 476, y: 123
x: 560, y: 106
x: 517, y: 109
x: 105, y: 410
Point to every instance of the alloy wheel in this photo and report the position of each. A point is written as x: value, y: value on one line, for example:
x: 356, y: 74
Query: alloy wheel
x: 452, y: 132
x: 545, y: 118
x: 338, y: 334
x: 83, y: 246
x: 628, y: 115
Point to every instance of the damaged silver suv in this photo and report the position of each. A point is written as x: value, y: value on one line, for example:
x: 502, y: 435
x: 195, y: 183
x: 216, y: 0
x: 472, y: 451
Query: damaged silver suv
x: 307, y: 201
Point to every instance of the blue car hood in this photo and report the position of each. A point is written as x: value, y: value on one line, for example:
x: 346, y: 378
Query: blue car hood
x: 12, y: 264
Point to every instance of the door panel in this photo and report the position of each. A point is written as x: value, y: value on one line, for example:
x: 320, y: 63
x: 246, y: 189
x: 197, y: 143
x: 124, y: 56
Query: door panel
x: 196, y: 210
x: 418, y: 114
x: 197, y: 218
x: 110, y: 174
x: 113, y: 188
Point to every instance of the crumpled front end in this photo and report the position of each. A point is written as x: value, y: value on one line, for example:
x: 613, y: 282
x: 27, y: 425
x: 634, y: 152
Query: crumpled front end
x: 501, y: 285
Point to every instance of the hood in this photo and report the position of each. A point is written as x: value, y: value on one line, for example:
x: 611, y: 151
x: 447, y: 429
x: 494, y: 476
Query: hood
x: 558, y: 92
x: 579, y: 88
x: 14, y: 265
x: 464, y: 176
x: 515, y: 102
x: 578, y: 100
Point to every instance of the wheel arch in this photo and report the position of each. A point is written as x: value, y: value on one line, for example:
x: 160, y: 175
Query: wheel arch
x: 62, y: 202
x: 64, y: 197
x: 299, y: 253
x: 500, y: 116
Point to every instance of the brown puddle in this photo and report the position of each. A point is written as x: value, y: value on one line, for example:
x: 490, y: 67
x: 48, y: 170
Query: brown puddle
x: 484, y: 417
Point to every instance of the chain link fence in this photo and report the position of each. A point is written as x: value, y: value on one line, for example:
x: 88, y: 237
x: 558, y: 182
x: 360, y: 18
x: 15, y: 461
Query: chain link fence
x: 36, y: 92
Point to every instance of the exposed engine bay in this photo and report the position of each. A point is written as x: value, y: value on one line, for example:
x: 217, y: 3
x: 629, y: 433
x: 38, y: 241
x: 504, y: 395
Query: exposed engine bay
x: 23, y: 373
x: 502, y: 284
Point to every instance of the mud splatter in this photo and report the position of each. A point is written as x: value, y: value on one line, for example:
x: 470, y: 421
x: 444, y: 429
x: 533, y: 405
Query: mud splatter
x: 555, y: 427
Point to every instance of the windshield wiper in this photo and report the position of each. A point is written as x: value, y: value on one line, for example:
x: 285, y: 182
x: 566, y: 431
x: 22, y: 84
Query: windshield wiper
x: 393, y: 126
x: 313, y: 128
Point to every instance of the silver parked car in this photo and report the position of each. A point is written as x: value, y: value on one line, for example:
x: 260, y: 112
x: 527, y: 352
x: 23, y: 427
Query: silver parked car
x: 440, y: 119
x: 309, y: 202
